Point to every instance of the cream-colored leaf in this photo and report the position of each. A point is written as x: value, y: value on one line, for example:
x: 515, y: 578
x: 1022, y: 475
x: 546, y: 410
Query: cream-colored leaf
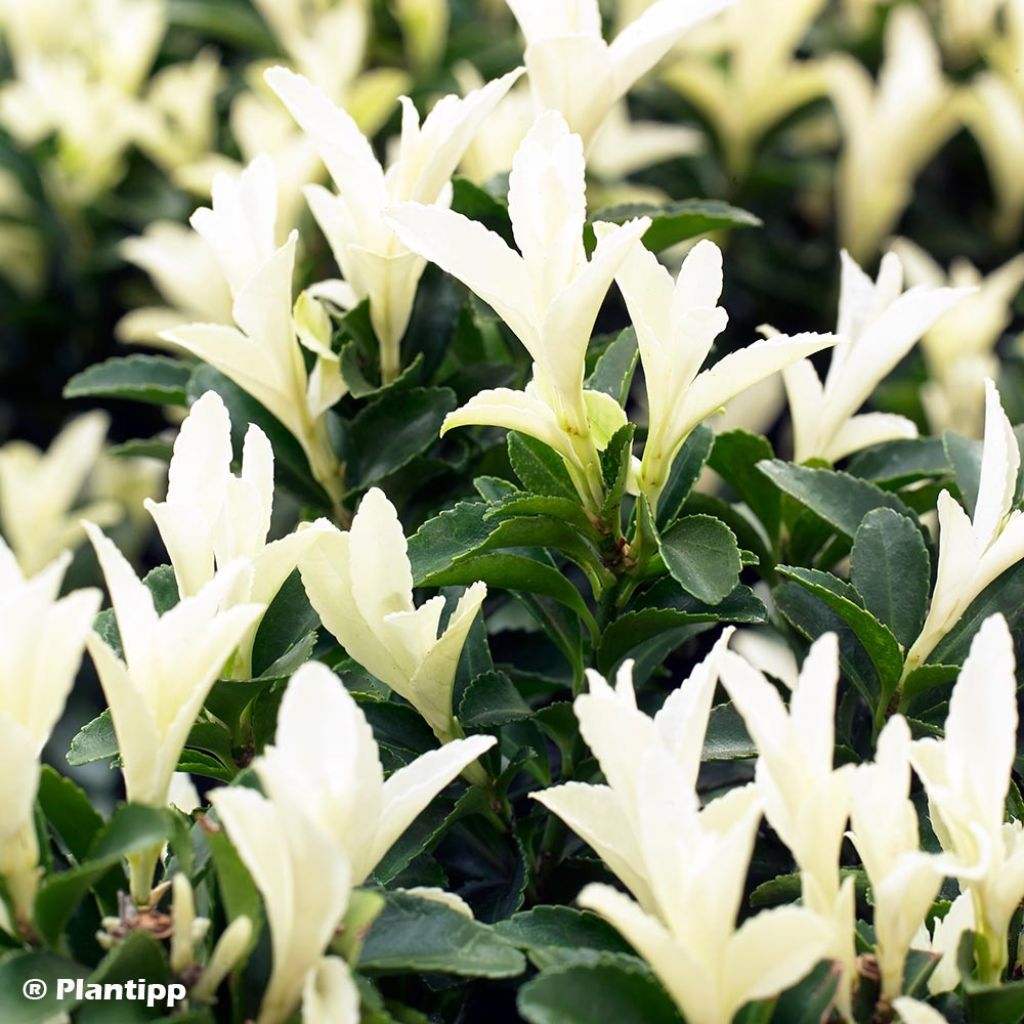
x: 772, y: 951
x: 468, y: 251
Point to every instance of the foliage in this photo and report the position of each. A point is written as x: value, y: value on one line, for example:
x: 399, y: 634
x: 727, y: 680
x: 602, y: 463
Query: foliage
x: 482, y: 666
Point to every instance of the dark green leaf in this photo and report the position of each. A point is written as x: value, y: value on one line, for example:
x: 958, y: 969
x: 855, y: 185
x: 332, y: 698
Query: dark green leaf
x: 539, y: 468
x: 163, y: 585
x: 876, y: 639
x: 95, y: 741
x: 478, y: 204
x: 451, y: 535
x: 398, y: 727
x: 613, y: 372
x: 393, y: 430
x: 491, y: 699
x: 917, y: 969
x: 568, y: 510
x: 551, y: 936
x: 549, y: 532
x: 670, y: 612
x: 159, y: 380
x: 615, y: 464
x: 287, y: 622
x: 144, y: 448
x: 20, y: 968
x: 964, y: 455
x: 890, y: 568
x: 228, y: 21
x: 444, y: 544
x: 786, y: 888
x: 69, y: 812
x: 923, y: 679
x: 685, y: 471
x: 426, y: 832
x: 676, y: 222
x: 196, y: 762
x: 735, y: 457
x: 988, y: 1004
x: 133, y: 828
x: 515, y: 573
x: 414, y: 934
x: 809, y: 1001
x: 727, y: 738
x: 811, y: 617
x: 434, y: 320
x: 750, y: 534
x: 359, y: 386
x: 616, y: 991
x: 139, y: 956
x: 229, y: 698
x: 838, y: 498
x: 703, y: 557
x: 238, y: 894
x: 901, y: 462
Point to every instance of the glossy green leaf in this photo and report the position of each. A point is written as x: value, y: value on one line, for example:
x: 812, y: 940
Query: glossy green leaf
x: 703, y: 557
x: 139, y: 956
x: 964, y: 456
x: 616, y: 460
x: 876, y: 639
x: 637, y: 626
x: 811, y: 617
x: 988, y: 1004
x: 518, y: 573
x: 675, y: 222
x: 359, y: 386
x: 237, y: 891
x: 567, y: 510
x: 446, y: 537
x: 158, y: 447
x: 478, y: 204
x: 133, y: 828
x: 891, y: 570
x: 392, y: 430
x: 551, y: 936
x: 897, y: 463
x: 614, y: 990
x: 614, y: 369
x: 491, y: 699
x: 539, y: 468
x: 838, y: 498
x: 19, y: 969
x: 158, y: 380
x: 67, y: 809
x: 727, y: 738
x: 809, y: 1001
x: 414, y: 934
x: 735, y: 457
x: 426, y: 832
x: 287, y: 622
x: 95, y: 741
x: 685, y: 471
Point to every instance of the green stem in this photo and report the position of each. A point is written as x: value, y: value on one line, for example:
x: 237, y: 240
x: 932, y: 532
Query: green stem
x: 989, y: 955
